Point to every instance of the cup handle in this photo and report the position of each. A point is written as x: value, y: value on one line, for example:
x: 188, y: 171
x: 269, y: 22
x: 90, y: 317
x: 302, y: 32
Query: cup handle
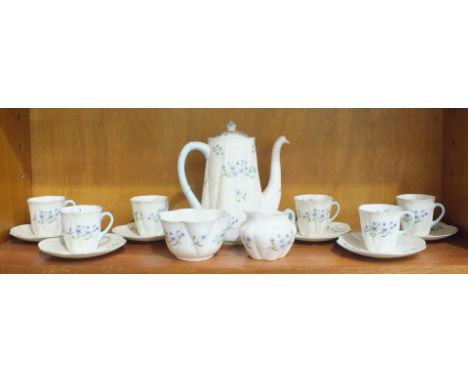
x: 111, y: 217
x: 338, y: 208
x: 69, y: 202
x: 291, y: 214
x: 410, y: 225
x: 441, y: 206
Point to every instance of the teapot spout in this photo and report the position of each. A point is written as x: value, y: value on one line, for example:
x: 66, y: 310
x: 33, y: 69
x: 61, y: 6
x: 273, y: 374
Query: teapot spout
x: 271, y: 196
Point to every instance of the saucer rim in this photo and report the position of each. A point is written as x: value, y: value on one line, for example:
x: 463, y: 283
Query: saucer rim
x: 83, y: 255
x: 430, y: 237
x: 32, y: 239
x: 137, y: 237
x: 381, y: 255
x: 301, y: 237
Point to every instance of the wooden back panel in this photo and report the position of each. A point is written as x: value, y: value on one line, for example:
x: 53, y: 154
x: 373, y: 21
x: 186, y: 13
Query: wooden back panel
x: 455, y: 168
x: 105, y: 156
x: 15, y: 169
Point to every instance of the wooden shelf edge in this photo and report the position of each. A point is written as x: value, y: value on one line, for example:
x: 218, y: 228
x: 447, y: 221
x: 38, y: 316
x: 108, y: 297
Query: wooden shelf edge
x: 449, y: 256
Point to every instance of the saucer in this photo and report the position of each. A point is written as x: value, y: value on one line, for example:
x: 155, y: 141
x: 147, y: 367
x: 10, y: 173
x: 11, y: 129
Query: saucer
x: 440, y: 231
x: 129, y: 231
x: 335, y: 230
x: 406, y: 246
x: 24, y: 232
x: 56, y: 247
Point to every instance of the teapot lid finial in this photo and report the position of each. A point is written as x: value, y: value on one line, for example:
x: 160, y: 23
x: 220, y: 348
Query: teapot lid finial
x: 231, y: 126
x: 232, y: 131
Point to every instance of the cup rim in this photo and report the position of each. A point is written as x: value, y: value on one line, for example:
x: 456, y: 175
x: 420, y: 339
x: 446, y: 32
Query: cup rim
x: 148, y: 198
x: 45, y: 199
x: 374, y: 208
x: 268, y: 213
x: 195, y: 215
x: 416, y: 197
x: 313, y: 198
x: 81, y: 209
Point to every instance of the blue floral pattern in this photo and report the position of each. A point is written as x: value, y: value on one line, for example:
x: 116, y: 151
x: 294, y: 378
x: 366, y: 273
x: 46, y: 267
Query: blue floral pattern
x: 219, y: 238
x: 247, y: 240
x: 281, y: 242
x: 199, y: 241
x: 381, y: 229
x: 237, y: 169
x: 218, y: 150
x: 418, y: 216
x: 241, y: 196
x: 318, y: 215
x: 232, y: 222
x: 174, y: 238
x: 84, y: 232
x: 46, y: 216
x: 153, y: 216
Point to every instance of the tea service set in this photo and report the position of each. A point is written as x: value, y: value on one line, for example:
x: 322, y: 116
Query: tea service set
x: 233, y: 210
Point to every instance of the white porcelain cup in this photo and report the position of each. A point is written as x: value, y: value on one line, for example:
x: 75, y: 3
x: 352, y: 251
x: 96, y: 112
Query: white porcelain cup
x: 422, y: 207
x: 82, y: 227
x: 45, y: 214
x: 313, y: 213
x: 146, y: 210
x: 380, y: 224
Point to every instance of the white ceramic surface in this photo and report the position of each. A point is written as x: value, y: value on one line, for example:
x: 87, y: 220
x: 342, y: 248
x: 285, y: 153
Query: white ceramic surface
x: 82, y: 227
x: 231, y: 181
x: 194, y: 234
x: 130, y: 232
x: 313, y: 213
x: 56, y: 247
x: 24, y: 232
x: 380, y: 224
x: 334, y: 230
x: 146, y: 210
x: 44, y: 212
x: 422, y: 207
x: 406, y: 246
x: 440, y: 231
x: 268, y: 235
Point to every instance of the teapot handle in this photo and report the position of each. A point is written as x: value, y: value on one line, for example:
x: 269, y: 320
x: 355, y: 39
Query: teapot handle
x: 205, y: 150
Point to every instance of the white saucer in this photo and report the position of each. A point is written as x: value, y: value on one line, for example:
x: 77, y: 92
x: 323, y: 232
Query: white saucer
x: 406, y: 246
x: 24, y: 232
x: 56, y: 247
x: 440, y: 231
x: 129, y: 231
x: 335, y: 230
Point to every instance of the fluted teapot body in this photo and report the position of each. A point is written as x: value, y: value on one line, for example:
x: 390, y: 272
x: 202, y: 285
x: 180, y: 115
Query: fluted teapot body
x: 231, y: 182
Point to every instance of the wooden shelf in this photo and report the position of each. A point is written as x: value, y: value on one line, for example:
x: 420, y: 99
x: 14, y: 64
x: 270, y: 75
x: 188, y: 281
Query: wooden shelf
x: 449, y: 256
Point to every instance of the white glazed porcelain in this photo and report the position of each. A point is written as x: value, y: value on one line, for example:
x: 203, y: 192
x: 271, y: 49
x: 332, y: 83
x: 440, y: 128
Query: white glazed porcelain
x: 45, y: 215
x: 313, y: 213
x: 82, y: 227
x: 422, y: 207
x: 146, y: 210
x: 380, y: 224
x: 334, y: 230
x: 405, y: 246
x: 268, y: 235
x: 440, y: 231
x: 231, y: 181
x: 56, y: 247
x: 130, y: 232
x: 194, y: 234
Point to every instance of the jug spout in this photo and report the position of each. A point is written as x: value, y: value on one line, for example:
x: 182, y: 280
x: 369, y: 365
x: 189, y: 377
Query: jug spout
x: 271, y: 196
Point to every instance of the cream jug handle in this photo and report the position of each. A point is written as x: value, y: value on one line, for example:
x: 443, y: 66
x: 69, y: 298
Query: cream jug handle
x: 205, y: 150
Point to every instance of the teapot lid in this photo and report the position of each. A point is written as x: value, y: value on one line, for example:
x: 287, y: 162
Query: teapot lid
x: 231, y: 131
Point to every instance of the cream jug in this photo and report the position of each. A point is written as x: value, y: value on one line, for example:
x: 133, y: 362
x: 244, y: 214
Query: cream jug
x: 231, y: 181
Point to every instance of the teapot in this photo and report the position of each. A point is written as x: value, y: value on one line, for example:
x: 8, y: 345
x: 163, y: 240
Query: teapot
x: 231, y: 181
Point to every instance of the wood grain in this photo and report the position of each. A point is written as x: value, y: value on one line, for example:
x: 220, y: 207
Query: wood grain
x: 105, y: 156
x: 450, y: 256
x: 455, y: 168
x: 15, y: 169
